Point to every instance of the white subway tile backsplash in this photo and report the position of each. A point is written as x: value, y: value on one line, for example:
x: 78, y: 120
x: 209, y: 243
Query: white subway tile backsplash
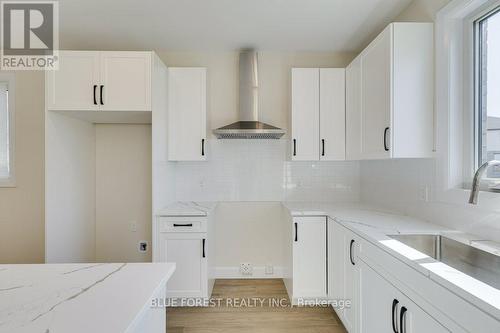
x: 259, y: 170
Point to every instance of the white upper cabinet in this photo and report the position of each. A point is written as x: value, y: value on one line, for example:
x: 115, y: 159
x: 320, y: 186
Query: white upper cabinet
x: 318, y: 114
x: 332, y: 114
x: 75, y: 85
x: 393, y: 102
x: 376, y: 97
x: 100, y: 81
x: 187, y: 103
x: 125, y: 81
x: 353, y: 110
x: 305, y: 114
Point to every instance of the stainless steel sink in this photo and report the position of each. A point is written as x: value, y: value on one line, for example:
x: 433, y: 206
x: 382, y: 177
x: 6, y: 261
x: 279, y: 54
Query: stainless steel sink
x: 472, y: 261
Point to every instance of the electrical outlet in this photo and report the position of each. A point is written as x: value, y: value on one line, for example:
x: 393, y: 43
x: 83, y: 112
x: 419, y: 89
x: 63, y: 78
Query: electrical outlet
x: 424, y: 193
x: 269, y: 269
x: 246, y: 269
x: 133, y: 226
x: 143, y: 246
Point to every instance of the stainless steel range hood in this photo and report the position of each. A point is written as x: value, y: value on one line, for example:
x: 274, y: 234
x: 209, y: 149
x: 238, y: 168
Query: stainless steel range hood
x: 249, y: 126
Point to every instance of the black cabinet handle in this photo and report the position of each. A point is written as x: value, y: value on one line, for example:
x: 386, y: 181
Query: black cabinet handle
x: 322, y: 147
x: 296, y: 235
x: 203, y: 245
x: 202, y: 147
x: 183, y: 225
x: 294, y: 147
x: 394, y: 315
x: 402, y: 320
x: 95, y: 97
x: 101, y: 90
x: 350, y: 252
x: 386, y: 146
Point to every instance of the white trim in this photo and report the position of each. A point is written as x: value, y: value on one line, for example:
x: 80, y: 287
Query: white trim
x: 10, y: 78
x: 259, y: 272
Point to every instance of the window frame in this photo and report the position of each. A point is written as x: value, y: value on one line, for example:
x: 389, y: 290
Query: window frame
x: 9, y: 79
x: 454, y: 104
x: 477, y: 63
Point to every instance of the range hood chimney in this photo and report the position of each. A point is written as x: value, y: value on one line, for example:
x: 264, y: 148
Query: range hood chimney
x: 249, y: 126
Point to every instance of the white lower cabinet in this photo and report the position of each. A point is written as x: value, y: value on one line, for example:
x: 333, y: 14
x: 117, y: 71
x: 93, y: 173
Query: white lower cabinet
x: 343, y: 272
x: 187, y: 251
x: 309, y: 258
x: 181, y: 242
x: 376, y: 304
x: 383, y: 308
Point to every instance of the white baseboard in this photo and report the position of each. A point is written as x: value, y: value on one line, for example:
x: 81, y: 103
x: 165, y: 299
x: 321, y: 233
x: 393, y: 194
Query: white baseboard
x: 259, y: 272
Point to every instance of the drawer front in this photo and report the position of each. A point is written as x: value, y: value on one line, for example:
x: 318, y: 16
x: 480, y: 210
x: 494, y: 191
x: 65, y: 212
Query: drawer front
x: 182, y: 224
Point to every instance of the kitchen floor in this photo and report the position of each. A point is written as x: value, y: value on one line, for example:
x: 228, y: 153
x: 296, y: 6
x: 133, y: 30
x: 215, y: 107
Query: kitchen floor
x: 253, y: 317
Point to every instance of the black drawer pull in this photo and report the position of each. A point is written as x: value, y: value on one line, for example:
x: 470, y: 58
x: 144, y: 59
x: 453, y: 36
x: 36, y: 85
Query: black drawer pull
x: 95, y: 97
x: 296, y: 233
x: 322, y: 147
x: 202, y: 147
x: 294, y: 147
x: 386, y: 146
x: 350, y: 252
x: 402, y: 320
x: 394, y: 315
x: 102, y: 99
x: 203, y: 244
x: 183, y: 225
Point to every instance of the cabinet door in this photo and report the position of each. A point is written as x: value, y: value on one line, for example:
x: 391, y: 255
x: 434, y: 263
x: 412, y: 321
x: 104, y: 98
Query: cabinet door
x: 125, y: 81
x: 418, y: 320
x: 309, y: 257
x: 376, y: 97
x: 332, y: 114
x: 187, y: 114
x: 343, y: 272
x: 188, y: 253
x: 336, y: 261
x: 353, y: 110
x: 305, y: 114
x: 382, y: 304
x: 376, y: 301
x: 351, y: 281
x: 73, y: 86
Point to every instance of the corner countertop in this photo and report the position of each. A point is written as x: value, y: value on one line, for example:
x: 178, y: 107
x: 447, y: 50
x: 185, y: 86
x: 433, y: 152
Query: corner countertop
x: 375, y: 225
x: 78, y: 297
x: 187, y: 208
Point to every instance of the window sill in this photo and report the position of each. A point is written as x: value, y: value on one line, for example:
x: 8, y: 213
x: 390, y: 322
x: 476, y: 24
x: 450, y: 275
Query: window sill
x: 7, y: 182
x: 460, y: 196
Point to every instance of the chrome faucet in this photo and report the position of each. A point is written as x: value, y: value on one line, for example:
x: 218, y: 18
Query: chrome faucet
x: 477, y: 180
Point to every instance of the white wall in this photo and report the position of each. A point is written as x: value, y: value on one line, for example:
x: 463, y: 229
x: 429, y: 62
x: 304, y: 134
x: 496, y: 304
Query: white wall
x: 249, y: 232
x: 22, y: 206
x: 123, y: 191
x: 259, y: 170
x: 69, y: 190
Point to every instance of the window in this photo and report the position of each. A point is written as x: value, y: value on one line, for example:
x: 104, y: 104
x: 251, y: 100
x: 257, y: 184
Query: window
x: 6, y: 132
x: 487, y: 63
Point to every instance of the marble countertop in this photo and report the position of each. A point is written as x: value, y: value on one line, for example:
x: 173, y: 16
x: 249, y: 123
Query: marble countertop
x: 375, y: 225
x: 187, y: 208
x: 53, y: 298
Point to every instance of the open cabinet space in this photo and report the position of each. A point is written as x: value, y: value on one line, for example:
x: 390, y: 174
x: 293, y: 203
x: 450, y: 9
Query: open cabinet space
x: 98, y: 191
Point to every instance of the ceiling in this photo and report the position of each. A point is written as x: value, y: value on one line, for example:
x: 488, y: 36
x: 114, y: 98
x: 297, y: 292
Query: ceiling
x: 214, y: 25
